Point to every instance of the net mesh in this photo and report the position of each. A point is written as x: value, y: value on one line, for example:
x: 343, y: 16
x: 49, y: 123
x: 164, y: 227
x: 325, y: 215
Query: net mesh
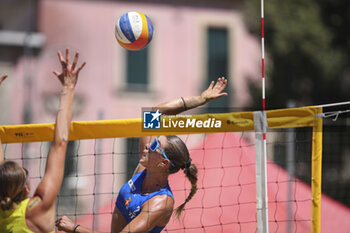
x: 226, y: 198
x: 289, y: 197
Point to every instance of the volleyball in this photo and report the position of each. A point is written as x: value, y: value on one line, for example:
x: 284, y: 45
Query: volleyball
x: 134, y: 30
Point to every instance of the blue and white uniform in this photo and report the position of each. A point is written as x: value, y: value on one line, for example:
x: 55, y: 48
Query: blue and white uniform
x: 130, y: 199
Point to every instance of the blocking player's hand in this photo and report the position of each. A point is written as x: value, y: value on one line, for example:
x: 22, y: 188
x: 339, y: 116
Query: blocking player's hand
x: 70, y: 72
x: 2, y: 78
x: 65, y: 224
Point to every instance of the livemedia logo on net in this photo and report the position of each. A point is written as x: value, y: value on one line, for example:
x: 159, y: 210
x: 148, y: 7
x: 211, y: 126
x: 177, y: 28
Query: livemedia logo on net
x: 154, y: 120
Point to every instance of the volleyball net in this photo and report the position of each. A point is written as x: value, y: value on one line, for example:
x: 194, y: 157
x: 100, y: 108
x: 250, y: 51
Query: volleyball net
x: 239, y: 188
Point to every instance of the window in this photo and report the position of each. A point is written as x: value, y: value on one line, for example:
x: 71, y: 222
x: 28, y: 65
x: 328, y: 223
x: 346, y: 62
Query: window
x: 70, y: 162
x: 217, y: 63
x: 68, y: 190
x: 132, y: 158
x: 137, y: 70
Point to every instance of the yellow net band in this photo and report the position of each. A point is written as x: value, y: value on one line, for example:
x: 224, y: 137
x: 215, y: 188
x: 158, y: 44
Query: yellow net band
x: 230, y: 122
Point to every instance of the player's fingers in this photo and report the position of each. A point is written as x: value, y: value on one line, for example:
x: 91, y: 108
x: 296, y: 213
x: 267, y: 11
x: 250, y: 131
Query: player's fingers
x: 58, y: 221
x: 61, y: 59
x: 221, y: 83
x: 67, y: 56
x: 75, y: 61
x: 225, y: 83
x: 59, y: 76
x: 81, y: 67
x: 217, y: 84
x: 224, y: 80
x: 56, y: 73
x: 223, y: 94
x: 3, y: 78
x: 219, y: 95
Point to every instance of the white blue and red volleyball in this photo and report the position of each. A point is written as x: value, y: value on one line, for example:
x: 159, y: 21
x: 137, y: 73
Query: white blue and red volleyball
x: 134, y: 30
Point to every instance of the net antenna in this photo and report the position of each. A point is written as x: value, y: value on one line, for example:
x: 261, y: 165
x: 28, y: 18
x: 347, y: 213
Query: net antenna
x: 263, y: 56
x: 260, y: 126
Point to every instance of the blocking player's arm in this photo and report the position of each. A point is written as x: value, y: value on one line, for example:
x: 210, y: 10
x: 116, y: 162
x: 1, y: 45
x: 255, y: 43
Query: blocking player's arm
x: 2, y: 156
x: 50, y: 185
x: 67, y: 225
x: 214, y: 91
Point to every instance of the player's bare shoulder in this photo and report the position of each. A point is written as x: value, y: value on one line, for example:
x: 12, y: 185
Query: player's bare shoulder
x: 159, y: 203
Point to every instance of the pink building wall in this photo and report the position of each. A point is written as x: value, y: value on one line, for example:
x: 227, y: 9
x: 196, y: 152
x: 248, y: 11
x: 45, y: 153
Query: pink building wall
x: 177, y: 62
x: 177, y: 58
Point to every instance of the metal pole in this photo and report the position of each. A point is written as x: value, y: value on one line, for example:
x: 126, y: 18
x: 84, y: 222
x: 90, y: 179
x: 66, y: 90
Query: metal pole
x: 334, y: 104
x: 290, y: 169
x: 260, y: 127
x: 261, y: 159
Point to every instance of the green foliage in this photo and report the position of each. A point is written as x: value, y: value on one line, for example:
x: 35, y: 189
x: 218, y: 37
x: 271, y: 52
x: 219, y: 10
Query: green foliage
x: 307, y: 55
x: 307, y: 51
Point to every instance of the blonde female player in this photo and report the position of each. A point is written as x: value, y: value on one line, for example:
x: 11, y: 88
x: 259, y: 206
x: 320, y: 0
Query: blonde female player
x: 18, y: 213
x: 145, y: 203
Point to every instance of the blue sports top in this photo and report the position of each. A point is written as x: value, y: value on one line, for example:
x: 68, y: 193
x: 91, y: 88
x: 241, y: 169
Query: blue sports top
x: 130, y: 199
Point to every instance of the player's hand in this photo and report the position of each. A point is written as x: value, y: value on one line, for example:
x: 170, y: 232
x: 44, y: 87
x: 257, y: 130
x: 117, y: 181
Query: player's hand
x: 215, y: 91
x: 2, y: 78
x: 69, y: 75
x: 65, y: 224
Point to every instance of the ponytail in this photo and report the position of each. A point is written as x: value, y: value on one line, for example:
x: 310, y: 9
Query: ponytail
x: 7, y: 204
x: 191, y: 174
x: 179, y: 155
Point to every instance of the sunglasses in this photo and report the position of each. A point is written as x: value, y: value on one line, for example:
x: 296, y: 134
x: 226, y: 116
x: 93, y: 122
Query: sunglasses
x: 155, y: 145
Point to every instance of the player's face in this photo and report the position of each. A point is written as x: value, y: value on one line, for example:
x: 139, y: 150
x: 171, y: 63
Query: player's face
x: 153, y: 154
x: 26, y: 181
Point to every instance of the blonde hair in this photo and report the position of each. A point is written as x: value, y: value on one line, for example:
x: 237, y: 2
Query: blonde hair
x: 178, y: 153
x: 12, y: 181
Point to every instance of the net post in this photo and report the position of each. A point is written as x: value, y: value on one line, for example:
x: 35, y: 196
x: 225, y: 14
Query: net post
x: 260, y: 127
x: 316, y: 173
x: 290, y: 169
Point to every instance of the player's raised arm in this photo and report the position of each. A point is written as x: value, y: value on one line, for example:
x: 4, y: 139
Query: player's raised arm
x: 214, y: 91
x: 179, y: 105
x: 51, y: 183
x: 2, y: 157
